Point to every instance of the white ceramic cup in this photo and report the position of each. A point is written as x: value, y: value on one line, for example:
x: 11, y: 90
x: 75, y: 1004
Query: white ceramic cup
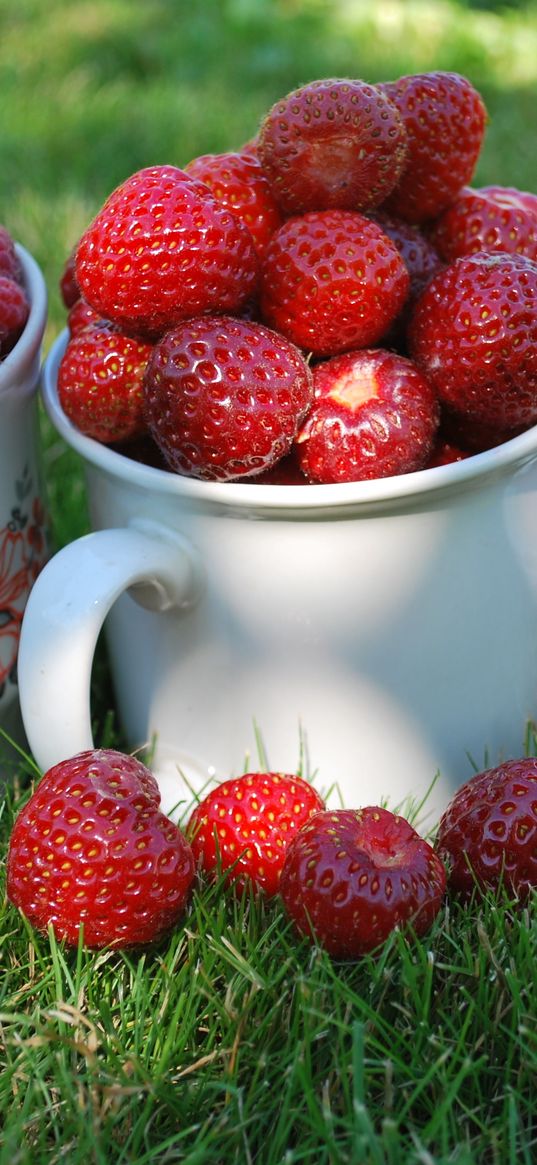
x: 390, y: 624
x: 23, y: 536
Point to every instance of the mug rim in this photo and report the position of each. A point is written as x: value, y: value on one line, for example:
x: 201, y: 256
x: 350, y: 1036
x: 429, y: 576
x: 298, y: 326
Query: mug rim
x: 457, y: 476
x: 23, y: 353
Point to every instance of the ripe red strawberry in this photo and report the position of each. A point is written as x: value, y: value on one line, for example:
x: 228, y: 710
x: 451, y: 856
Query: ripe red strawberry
x: 332, y: 143
x: 14, y: 311
x: 418, y: 253
x: 100, y: 382
x: 224, y: 397
x: 80, y: 315
x: 238, y: 181
x: 511, y: 196
x: 162, y: 249
x: 474, y: 334
x: 10, y: 263
x: 331, y: 281
x: 481, y: 220
x: 351, y: 876
x: 488, y: 833
x: 91, y: 848
x: 444, y: 118
x: 69, y: 289
x: 374, y: 415
x: 245, y: 825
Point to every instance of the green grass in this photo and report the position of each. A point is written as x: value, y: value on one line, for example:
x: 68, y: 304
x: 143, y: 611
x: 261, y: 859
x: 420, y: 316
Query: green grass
x: 236, y: 1043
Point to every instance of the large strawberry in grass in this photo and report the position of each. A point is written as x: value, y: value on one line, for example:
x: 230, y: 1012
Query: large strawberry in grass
x: 162, y: 248
x: 332, y: 280
x: 474, y: 334
x: 488, y: 833
x: 244, y: 826
x: 224, y: 397
x: 332, y: 143
x: 444, y: 118
x: 92, y: 850
x: 351, y: 876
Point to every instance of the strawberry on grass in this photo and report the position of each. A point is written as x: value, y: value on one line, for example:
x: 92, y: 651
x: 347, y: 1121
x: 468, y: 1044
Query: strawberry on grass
x: 91, y: 849
x: 244, y: 826
x: 488, y: 834
x: 351, y: 876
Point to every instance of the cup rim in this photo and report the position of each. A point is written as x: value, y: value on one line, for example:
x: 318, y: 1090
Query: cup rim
x: 22, y: 355
x: 457, y: 476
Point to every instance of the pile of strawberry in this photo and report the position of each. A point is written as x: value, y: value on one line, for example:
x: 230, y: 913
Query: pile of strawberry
x: 93, y: 857
x: 14, y: 304
x: 332, y: 302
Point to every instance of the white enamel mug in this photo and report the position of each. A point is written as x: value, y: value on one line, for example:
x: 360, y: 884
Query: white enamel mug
x: 388, y: 627
x: 23, y: 535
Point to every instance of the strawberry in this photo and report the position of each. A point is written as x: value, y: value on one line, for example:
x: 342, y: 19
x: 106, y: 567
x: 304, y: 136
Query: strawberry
x: 10, y: 263
x: 444, y: 118
x: 332, y: 143
x: 80, y: 314
x: 238, y: 181
x: 244, y: 826
x: 14, y: 311
x: 488, y: 833
x: 374, y: 415
x: 511, y: 196
x: 100, y: 382
x: 69, y: 289
x: 351, y: 876
x: 474, y: 334
x: 331, y: 281
x: 91, y: 849
x: 224, y: 397
x: 418, y: 253
x: 481, y: 220
x: 162, y: 249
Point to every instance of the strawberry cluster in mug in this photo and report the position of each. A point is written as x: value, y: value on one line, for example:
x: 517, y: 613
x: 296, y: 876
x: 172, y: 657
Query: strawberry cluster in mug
x: 93, y: 857
x: 14, y: 303
x: 332, y: 302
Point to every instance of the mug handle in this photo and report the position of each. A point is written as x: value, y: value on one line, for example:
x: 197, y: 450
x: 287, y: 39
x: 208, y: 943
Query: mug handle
x: 65, y: 612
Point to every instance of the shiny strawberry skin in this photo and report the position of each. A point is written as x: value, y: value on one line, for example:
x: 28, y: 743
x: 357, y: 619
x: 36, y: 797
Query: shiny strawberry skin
x: 100, y: 382
x: 80, y: 314
x: 374, y: 415
x: 445, y: 118
x: 351, y: 876
x: 487, y: 836
x: 474, y: 333
x: 162, y: 249
x: 224, y: 397
x: 238, y: 181
x: 14, y: 312
x: 333, y: 143
x: 68, y: 286
x: 245, y: 825
x: 479, y: 220
x: 420, y: 256
x: 331, y: 281
x: 91, y: 848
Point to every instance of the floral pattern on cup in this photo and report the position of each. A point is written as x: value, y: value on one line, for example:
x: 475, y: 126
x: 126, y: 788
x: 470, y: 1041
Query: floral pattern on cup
x: 23, y: 551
